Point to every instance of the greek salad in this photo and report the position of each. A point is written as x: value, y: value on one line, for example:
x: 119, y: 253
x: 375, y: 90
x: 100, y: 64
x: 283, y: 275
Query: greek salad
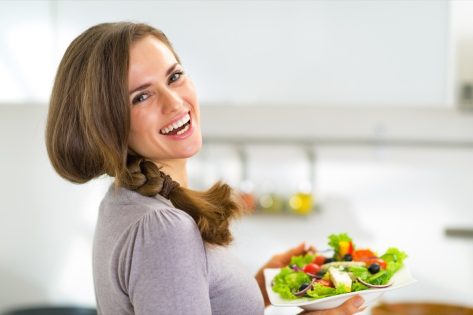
x: 346, y: 269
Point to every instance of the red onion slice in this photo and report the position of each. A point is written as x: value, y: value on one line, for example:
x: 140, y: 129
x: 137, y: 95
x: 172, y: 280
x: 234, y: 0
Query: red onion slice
x: 376, y: 286
x: 302, y: 292
x: 296, y: 268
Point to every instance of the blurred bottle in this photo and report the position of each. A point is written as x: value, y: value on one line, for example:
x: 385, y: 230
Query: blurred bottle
x: 302, y: 202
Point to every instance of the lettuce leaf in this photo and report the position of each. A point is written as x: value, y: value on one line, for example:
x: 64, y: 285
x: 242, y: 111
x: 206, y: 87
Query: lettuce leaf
x: 360, y: 271
x: 288, y: 281
x: 356, y: 286
x: 320, y: 291
x: 394, y: 259
x: 302, y: 260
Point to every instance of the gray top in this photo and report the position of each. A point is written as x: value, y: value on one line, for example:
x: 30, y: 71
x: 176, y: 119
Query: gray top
x: 149, y: 258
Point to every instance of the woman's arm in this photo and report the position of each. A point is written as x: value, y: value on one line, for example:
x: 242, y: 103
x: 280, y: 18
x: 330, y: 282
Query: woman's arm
x: 166, y: 266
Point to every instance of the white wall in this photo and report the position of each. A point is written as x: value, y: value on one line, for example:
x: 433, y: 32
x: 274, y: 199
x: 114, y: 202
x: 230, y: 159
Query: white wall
x: 47, y: 223
x: 272, y: 52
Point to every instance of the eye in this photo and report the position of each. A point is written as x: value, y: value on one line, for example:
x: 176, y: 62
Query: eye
x: 140, y: 98
x: 175, y: 76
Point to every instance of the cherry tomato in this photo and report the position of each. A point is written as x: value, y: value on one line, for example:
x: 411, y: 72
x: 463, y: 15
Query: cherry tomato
x: 311, y: 268
x: 319, y: 260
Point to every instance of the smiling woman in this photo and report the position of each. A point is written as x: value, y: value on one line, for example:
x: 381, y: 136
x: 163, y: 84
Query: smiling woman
x: 122, y: 105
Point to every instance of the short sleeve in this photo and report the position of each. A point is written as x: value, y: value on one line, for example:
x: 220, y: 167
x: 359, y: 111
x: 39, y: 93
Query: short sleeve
x: 163, y: 265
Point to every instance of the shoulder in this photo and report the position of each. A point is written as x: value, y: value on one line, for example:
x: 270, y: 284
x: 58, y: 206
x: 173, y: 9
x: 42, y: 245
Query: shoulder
x: 120, y: 196
x: 127, y: 213
x: 162, y: 239
x: 167, y: 224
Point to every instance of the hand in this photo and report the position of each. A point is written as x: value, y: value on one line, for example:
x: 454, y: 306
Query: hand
x: 279, y: 261
x: 350, y: 306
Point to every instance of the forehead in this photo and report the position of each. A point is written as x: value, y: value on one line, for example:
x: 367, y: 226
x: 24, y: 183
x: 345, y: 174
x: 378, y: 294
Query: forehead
x: 149, y: 57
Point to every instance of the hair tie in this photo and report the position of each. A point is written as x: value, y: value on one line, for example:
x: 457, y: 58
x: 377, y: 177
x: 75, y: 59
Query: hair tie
x: 168, y: 186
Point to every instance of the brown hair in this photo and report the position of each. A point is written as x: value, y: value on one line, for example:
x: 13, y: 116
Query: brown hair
x: 89, y: 122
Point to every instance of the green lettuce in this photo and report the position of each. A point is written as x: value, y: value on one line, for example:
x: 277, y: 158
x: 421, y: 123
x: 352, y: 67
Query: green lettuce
x: 360, y: 271
x: 302, y: 260
x: 394, y: 259
x: 288, y: 281
x: 320, y: 291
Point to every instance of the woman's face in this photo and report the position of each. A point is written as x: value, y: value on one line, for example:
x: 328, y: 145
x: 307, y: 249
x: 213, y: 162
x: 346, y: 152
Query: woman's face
x: 165, y: 116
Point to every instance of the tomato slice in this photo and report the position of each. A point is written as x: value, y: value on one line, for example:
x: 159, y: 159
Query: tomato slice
x: 368, y: 257
x: 311, y: 268
x: 362, y: 254
x: 319, y: 260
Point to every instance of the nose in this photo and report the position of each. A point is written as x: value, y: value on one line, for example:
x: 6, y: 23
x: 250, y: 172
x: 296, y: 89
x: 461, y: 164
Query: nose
x: 171, y: 101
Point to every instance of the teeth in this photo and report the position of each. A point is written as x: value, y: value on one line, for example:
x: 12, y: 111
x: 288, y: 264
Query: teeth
x: 177, y: 124
x: 180, y: 132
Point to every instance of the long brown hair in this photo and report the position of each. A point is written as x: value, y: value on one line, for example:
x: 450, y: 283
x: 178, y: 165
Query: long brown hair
x: 89, y: 123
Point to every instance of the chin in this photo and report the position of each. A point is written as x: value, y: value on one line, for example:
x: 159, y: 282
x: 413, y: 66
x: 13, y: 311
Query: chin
x: 190, y: 151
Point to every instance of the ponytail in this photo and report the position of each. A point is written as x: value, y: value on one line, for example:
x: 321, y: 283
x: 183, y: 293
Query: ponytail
x: 212, y: 210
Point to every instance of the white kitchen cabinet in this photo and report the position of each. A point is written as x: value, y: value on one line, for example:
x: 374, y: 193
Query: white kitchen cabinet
x: 351, y: 53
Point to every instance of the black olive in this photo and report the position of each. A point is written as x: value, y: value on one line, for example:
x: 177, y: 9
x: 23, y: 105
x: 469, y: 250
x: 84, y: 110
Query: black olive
x: 374, y: 268
x: 303, y: 286
x: 347, y: 257
x: 320, y: 274
x: 329, y: 260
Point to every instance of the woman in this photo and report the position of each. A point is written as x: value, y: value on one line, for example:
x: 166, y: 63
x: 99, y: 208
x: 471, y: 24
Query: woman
x: 122, y: 105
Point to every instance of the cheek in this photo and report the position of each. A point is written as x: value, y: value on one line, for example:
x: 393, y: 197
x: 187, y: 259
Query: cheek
x: 191, y: 98
x: 139, y: 124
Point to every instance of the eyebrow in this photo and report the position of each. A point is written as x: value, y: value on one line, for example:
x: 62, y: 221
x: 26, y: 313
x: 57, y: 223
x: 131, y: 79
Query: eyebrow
x: 146, y: 85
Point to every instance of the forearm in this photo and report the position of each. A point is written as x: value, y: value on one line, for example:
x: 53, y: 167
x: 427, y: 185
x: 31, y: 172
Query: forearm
x: 260, y: 280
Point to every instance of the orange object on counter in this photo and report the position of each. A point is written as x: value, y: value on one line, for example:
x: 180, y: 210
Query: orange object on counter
x: 249, y: 200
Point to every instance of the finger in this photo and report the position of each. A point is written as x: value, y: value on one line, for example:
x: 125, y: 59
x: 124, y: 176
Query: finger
x: 298, y: 250
x: 310, y: 249
x: 284, y: 258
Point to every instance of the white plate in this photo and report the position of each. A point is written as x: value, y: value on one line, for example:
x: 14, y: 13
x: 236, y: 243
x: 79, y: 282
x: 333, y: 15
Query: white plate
x: 401, y: 279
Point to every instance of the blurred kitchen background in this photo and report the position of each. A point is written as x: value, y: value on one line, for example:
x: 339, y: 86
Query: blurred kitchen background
x: 329, y: 116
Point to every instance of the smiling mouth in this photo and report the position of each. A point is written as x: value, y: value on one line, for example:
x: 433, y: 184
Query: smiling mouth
x: 178, y: 127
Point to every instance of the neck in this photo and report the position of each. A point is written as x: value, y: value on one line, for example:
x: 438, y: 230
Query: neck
x: 176, y: 168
